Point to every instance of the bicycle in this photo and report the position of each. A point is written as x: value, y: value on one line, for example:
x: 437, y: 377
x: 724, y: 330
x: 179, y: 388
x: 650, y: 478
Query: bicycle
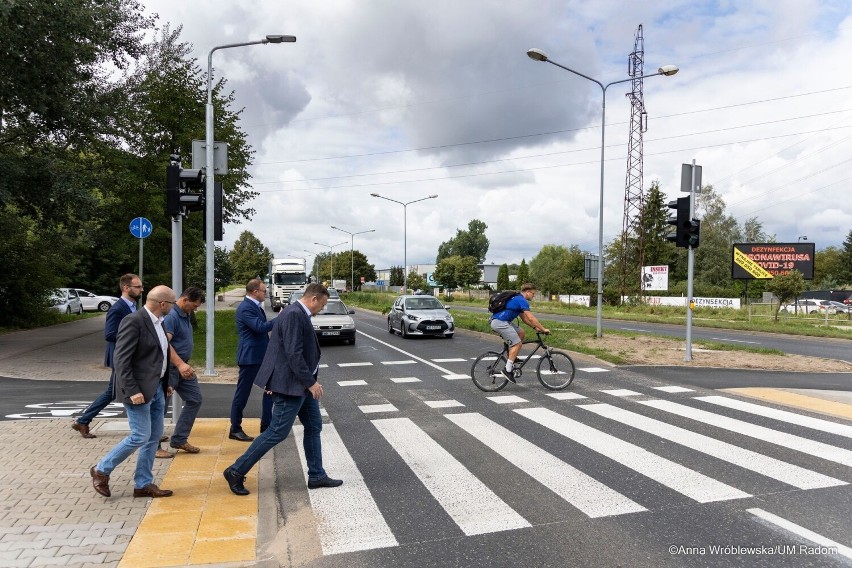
x: 555, y: 370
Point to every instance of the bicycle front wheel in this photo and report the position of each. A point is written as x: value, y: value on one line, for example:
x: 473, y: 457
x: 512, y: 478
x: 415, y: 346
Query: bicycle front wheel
x: 485, y: 371
x: 555, y: 371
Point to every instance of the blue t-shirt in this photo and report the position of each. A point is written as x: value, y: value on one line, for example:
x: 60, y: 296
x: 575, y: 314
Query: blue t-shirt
x: 177, y: 323
x: 514, y: 308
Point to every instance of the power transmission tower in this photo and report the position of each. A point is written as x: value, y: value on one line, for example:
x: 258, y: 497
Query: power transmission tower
x: 632, y: 234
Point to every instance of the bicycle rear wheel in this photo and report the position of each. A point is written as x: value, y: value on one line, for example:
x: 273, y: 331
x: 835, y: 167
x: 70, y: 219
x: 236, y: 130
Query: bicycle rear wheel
x: 555, y: 371
x: 485, y: 371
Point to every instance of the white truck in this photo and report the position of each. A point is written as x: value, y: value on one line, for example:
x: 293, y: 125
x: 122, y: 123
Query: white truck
x: 285, y: 275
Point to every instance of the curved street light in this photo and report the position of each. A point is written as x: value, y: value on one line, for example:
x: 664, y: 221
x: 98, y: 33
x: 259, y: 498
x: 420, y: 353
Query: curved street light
x: 404, y: 233
x: 352, y: 253
x: 209, y: 213
x: 666, y: 70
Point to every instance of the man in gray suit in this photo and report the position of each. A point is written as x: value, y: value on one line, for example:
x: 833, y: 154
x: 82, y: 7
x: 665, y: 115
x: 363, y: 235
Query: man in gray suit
x: 140, y: 361
x: 289, y: 373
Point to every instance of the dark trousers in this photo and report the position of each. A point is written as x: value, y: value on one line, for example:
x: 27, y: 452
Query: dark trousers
x: 245, y: 383
x: 99, y: 404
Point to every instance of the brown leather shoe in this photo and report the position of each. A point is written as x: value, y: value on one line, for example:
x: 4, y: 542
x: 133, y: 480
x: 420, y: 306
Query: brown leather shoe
x: 83, y: 429
x: 100, y: 481
x: 161, y: 453
x: 187, y: 447
x: 151, y: 490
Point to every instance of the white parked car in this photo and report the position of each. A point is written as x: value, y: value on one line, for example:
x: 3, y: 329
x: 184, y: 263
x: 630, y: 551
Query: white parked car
x: 66, y: 301
x: 803, y: 307
x: 93, y: 302
x: 335, y: 322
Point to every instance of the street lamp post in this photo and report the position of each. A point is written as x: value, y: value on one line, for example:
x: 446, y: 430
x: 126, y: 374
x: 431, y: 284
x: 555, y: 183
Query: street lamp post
x: 666, y: 70
x: 331, y: 258
x: 209, y: 213
x: 352, y: 253
x: 316, y: 269
x: 404, y: 234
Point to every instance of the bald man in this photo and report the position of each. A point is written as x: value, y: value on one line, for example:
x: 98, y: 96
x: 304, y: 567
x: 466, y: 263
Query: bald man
x: 140, y: 362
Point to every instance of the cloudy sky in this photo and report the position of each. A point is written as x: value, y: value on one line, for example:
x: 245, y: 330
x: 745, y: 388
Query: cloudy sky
x: 408, y: 99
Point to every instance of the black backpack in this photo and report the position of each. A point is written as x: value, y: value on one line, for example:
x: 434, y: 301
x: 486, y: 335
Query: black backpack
x: 497, y: 300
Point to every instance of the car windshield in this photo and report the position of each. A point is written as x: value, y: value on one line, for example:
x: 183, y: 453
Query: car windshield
x: 334, y: 309
x: 423, y: 304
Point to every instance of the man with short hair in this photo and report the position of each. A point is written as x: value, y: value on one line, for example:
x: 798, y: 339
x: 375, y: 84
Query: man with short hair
x: 503, y: 324
x: 289, y: 374
x: 131, y: 290
x: 140, y: 359
x: 252, y: 339
x: 182, y: 377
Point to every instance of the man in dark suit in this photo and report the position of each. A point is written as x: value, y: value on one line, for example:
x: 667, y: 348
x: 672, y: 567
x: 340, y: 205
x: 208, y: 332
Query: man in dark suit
x: 140, y: 362
x: 252, y: 339
x: 289, y: 373
x: 131, y: 290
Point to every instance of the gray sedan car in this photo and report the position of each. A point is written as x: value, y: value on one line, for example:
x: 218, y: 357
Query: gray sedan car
x: 335, y: 322
x: 420, y: 315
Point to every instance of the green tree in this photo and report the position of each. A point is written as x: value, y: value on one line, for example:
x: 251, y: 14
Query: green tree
x: 471, y: 242
x: 397, y: 276
x: 845, y: 269
x: 503, y: 277
x: 196, y: 269
x: 550, y: 270
x: 363, y: 269
x: 786, y: 287
x: 828, y: 268
x: 416, y: 281
x: 249, y: 258
x: 523, y: 273
x: 457, y: 271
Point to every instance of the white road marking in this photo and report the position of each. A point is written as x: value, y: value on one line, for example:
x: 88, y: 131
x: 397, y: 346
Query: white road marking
x: 404, y: 362
x: 360, y: 364
x: 580, y: 490
x: 472, y: 505
x: 666, y: 472
x: 442, y: 403
x: 734, y: 340
x: 375, y: 408
x: 594, y: 370
x: 351, y: 383
x: 348, y: 518
x: 406, y: 380
x: 455, y: 377
x: 804, y: 445
x: 454, y: 360
x: 801, y: 531
x: 674, y: 389
x: 621, y: 392
x: 506, y: 399
x: 783, y: 415
x: 406, y: 353
x: 565, y: 395
x: 764, y: 465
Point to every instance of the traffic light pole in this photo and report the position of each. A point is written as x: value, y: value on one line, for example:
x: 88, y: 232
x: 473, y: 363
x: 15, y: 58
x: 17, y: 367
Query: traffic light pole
x: 690, y: 271
x: 177, y: 286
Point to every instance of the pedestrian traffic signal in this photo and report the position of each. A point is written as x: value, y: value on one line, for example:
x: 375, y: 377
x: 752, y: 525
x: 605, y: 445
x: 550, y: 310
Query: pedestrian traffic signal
x: 184, y: 189
x: 694, y: 233
x: 680, y: 221
x: 173, y: 190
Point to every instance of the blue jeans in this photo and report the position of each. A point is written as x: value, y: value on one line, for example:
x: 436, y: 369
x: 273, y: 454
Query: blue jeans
x: 190, y: 393
x: 146, y: 427
x: 245, y: 383
x: 99, y: 404
x: 284, y: 411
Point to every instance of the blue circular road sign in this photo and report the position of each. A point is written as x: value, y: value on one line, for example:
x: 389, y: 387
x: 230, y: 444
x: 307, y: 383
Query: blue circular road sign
x: 140, y: 227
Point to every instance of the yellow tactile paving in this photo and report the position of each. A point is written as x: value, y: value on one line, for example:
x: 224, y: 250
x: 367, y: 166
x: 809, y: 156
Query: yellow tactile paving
x: 203, y: 522
x: 796, y: 400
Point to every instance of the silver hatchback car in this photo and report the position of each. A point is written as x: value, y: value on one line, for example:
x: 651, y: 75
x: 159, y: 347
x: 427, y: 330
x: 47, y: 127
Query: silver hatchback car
x: 420, y: 315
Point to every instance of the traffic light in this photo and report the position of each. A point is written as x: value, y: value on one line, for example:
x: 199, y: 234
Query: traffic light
x: 173, y: 190
x: 681, y: 222
x: 218, y: 232
x: 184, y: 189
x: 694, y: 233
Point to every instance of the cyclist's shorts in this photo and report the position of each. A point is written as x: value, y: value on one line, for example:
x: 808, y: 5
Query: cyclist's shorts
x: 507, y: 330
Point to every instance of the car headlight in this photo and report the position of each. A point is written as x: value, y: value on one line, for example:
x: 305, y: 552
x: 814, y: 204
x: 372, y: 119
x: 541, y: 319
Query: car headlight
x: 348, y: 326
x: 412, y: 317
x: 449, y: 318
x: 316, y: 327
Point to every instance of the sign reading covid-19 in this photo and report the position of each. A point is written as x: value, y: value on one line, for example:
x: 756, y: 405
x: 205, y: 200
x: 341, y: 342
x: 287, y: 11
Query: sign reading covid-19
x: 762, y: 261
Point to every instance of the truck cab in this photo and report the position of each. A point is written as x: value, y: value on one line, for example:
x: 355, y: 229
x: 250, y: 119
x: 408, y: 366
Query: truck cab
x: 286, y: 275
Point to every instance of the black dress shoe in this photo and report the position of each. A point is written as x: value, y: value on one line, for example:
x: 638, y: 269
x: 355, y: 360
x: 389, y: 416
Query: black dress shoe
x: 324, y: 482
x: 235, y: 481
x: 241, y: 436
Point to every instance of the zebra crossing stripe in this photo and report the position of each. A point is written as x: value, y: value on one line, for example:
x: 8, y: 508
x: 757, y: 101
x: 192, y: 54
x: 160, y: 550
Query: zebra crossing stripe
x: 361, y: 364
x: 473, y: 507
x: 801, y: 531
x: 403, y: 362
x: 359, y: 382
x: 783, y: 415
x: 348, y: 518
x: 797, y: 443
x: 674, y: 389
x: 666, y: 472
x: 580, y: 490
x: 406, y: 380
x: 453, y: 360
x: 764, y: 465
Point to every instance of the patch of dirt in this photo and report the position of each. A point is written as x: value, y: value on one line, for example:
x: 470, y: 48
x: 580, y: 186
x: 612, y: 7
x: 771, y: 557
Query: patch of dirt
x: 227, y: 375
x: 644, y: 350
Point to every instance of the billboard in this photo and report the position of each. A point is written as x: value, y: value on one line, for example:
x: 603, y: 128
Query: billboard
x: 762, y: 261
x: 655, y: 277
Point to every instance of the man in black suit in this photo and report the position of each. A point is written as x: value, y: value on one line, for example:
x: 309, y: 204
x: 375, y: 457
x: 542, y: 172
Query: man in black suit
x: 289, y: 373
x: 131, y: 290
x: 140, y: 359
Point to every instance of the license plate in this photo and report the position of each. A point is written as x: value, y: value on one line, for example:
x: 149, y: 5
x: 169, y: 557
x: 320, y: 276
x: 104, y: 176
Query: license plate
x: 331, y: 333
x: 430, y: 327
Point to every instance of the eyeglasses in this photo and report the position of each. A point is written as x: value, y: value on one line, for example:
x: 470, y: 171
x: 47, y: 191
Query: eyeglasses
x: 137, y: 287
x: 167, y: 302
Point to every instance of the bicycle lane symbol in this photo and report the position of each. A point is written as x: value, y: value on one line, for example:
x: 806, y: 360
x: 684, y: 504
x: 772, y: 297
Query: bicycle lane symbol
x: 64, y: 409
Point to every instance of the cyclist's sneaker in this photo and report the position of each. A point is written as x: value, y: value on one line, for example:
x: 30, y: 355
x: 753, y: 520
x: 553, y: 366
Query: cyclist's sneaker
x: 509, y: 375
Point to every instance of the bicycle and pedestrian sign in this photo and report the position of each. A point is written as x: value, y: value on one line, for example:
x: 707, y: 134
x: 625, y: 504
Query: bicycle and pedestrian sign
x: 140, y: 227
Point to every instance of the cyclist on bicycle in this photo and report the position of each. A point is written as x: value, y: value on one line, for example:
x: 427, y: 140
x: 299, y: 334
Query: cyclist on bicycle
x: 503, y: 323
